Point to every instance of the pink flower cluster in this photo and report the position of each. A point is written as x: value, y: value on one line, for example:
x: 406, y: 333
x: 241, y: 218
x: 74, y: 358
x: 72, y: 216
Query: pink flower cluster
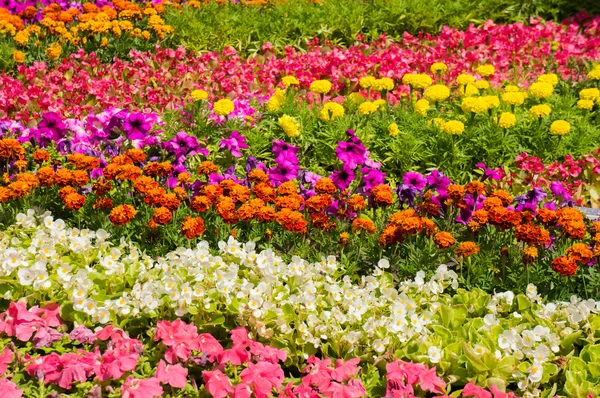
x: 162, y: 79
x: 40, y: 323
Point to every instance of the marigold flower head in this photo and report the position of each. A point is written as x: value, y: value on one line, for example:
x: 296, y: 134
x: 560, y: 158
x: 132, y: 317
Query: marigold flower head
x: 162, y: 216
x: 585, y: 104
x: 464, y: 78
x: 54, y: 51
x: 580, y: 252
x: 46, y: 176
x: 504, y: 218
x: 438, y: 67
x: 507, y: 120
x: 480, y: 217
x: 357, y: 203
x: 320, y: 87
x: 444, y: 240
x: 456, y: 191
x: 170, y: 201
x: 385, y: 83
x: 40, y: 156
x: 541, y: 90
x: 589, y: 94
x: 475, y: 187
x: 393, y: 129
x: 265, y: 214
x: 291, y: 220
x: 265, y: 192
x: 331, y: 111
x: 289, y: 81
x: 564, y: 266
x: 594, y: 74
x: 367, y: 108
x: 436, y: 93
x: 466, y: 249
x: 574, y: 229
x: 122, y: 214
x: 513, y: 98
x: 382, y: 195
x: 530, y: 254
x: 290, y: 126
x: 356, y: 98
x: 362, y: 224
x: 223, y: 107
x: 366, y: 82
x: 344, y: 238
x: 453, y: 127
x: 474, y: 104
x: 532, y: 235
x: 325, y: 186
x: 550, y: 78
x: 560, y: 127
x: 417, y: 81
x: 19, y: 56
x: 482, y: 84
x: 103, y: 203
x: 192, y: 227
x: 199, y: 95
x: 74, y: 201
x: 10, y: 149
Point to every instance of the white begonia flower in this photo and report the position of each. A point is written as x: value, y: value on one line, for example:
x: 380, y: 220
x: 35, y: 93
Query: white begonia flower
x: 434, y: 353
x: 26, y: 276
x: 536, y: 372
x: 379, y: 346
x: 528, y: 338
x: 383, y: 263
x: 479, y: 349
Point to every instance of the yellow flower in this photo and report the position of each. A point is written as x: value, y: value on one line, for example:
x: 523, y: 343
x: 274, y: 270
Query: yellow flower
x: 594, y: 74
x: 421, y: 81
x: 436, y: 121
x: 541, y: 90
x: 512, y: 88
x: 482, y: 84
x: 367, y: 107
x: 379, y: 102
x: 289, y: 81
x: 385, y: 83
x: 560, y: 127
x: 320, y: 86
x: 453, y: 127
x: 199, y: 95
x: 331, y: 111
x: 366, y: 82
x: 436, y: 93
x: 421, y: 107
x: 393, y: 129
x: 507, y: 120
x: 585, y: 104
x: 145, y: 35
x: 485, y: 70
x: 356, y: 98
x: 589, y: 94
x: 491, y: 100
x: 19, y: 56
x: 438, y: 67
x: 104, y: 42
x: 276, y: 101
x: 22, y: 38
x: 290, y: 126
x: 474, y: 104
x: 463, y: 79
x: 513, y: 98
x: 223, y: 107
x: 470, y: 90
x: 539, y: 111
x: 408, y: 78
x: 53, y: 51
x: 550, y: 78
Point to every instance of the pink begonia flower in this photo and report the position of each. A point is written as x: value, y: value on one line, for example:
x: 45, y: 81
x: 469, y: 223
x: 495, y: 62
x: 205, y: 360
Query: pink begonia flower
x: 263, y: 377
x: 287, y: 391
x: 338, y: 390
x: 9, y: 389
x: 42, y: 366
x: 18, y: 321
x: 5, y: 359
x: 304, y: 391
x: 174, y: 375
x: 216, y: 383
x: 318, y: 371
x: 239, y: 336
x: 180, y: 337
x: 242, y: 391
x: 345, y: 370
x: 45, y: 336
x: 141, y: 388
x: 471, y: 390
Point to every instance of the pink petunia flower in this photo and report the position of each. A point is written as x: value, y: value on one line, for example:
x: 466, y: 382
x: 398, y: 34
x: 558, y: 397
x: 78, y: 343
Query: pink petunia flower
x: 141, y: 388
x: 217, y: 383
x: 174, y: 375
x: 9, y: 389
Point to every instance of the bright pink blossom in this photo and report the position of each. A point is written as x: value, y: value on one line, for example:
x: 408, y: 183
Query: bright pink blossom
x: 174, y: 375
x: 216, y: 383
x: 141, y: 388
x: 263, y: 377
x: 9, y: 389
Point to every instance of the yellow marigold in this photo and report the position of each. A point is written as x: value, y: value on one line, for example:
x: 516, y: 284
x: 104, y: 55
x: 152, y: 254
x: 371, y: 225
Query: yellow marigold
x: 438, y: 67
x: 53, y: 51
x: 589, y: 94
x: 290, y: 126
x: 199, y: 95
x: 19, y: 56
x: 436, y: 93
x: 453, y: 127
x: 421, y: 107
x: 541, y: 90
x: 420, y: 81
x: 289, y: 81
x: 482, y: 84
x: 356, y: 98
x: 512, y: 88
x: 550, y: 78
x: 507, y: 120
x: 223, y: 107
x: 276, y: 101
x: 393, y: 129
x: 485, y: 70
x: 436, y: 121
x: 470, y: 90
x: 585, y: 104
x: 513, y: 98
x: 22, y: 38
x: 539, y: 111
x: 463, y: 79
x: 367, y: 107
x: 594, y: 74
x: 492, y: 100
x: 408, y: 78
x: 104, y: 42
x: 331, y: 111
x: 367, y: 82
x: 320, y: 86
x: 474, y: 104
x: 145, y: 35
x: 385, y: 83
x: 560, y: 127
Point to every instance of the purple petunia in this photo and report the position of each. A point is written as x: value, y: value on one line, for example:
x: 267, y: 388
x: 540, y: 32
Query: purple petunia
x: 285, y: 152
x: 234, y: 143
x: 489, y: 173
x: 136, y: 126
x: 371, y: 177
x: 343, y: 178
x: 285, y: 171
x: 415, y: 179
x: 438, y: 181
x: 351, y: 154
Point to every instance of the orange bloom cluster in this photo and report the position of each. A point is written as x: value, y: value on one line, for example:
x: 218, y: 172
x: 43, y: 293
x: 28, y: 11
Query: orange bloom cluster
x: 466, y: 249
x: 122, y: 214
x: 532, y: 235
x: 382, y: 195
x: 571, y: 221
x: 444, y: 240
x: 162, y: 216
x: 564, y: 266
x: 11, y: 149
x: 192, y: 227
x: 401, y: 224
x: 362, y: 224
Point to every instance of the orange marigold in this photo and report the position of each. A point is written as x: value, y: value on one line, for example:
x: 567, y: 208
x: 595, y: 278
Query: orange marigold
x: 475, y: 187
x: 344, y: 238
x: 4, y: 195
x: 246, y: 212
x: 362, y: 224
x: 29, y: 179
x: 40, y: 156
x: 547, y: 216
x: 200, y: 204
x: 382, y: 195
x: 180, y: 193
x: 317, y: 203
x: 101, y: 186
x: 144, y: 184
x: 207, y: 167
x: 580, y: 252
x: 325, y: 186
x: 192, y: 227
x: 162, y: 216
x: 530, y: 254
x: 564, y: 266
x: 170, y: 201
x: 532, y: 235
x: 103, y: 203
x: 64, y: 177
x: 212, y: 191
x: 429, y: 227
x: 122, y: 214
x: 504, y: 218
x: 292, y: 202
x: 456, y: 192
x: 574, y: 229
x: 504, y: 196
x: 74, y: 201
x: 18, y: 189
x: 491, y: 203
x: 265, y: 192
x: 287, y: 188
x: 291, y: 220
x: 10, y: 149
x: 80, y: 178
x: 136, y: 155
x: 265, y: 214
x: 444, y: 240
x: 239, y: 193
x: 184, y: 178
x: 357, y: 203
x: 480, y: 217
x: 257, y: 175
x: 568, y: 214
x: 466, y: 249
